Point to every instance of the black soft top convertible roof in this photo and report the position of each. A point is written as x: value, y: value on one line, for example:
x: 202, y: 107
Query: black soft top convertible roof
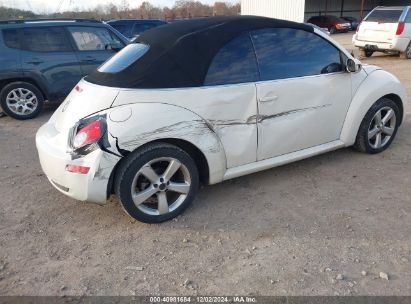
x: 180, y: 53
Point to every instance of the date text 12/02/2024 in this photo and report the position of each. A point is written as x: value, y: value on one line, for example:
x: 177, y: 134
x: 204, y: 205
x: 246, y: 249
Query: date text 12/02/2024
x: 200, y: 299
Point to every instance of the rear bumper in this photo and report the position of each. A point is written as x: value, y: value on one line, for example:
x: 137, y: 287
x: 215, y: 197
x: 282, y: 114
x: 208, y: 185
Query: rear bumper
x: 90, y: 187
x: 396, y: 45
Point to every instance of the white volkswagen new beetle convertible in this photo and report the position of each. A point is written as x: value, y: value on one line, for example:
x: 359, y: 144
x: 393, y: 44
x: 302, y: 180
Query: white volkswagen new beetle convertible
x: 207, y: 100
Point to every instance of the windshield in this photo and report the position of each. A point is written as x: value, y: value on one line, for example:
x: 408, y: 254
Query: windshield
x: 334, y: 19
x: 123, y: 59
x: 386, y: 16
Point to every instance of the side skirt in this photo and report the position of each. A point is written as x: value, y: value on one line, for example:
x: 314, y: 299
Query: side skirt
x: 282, y: 159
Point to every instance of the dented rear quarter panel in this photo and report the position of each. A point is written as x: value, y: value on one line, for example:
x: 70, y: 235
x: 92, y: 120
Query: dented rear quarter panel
x: 134, y: 125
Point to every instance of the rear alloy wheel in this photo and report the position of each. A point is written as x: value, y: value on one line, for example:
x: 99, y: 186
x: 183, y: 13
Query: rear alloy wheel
x: 157, y: 183
x: 407, y: 53
x: 379, y: 127
x: 21, y: 100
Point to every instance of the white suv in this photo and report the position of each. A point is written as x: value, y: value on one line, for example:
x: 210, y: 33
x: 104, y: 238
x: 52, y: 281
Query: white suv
x: 385, y: 29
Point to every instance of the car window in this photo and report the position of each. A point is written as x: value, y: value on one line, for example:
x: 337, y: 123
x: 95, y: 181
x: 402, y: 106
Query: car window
x: 142, y: 27
x: 93, y: 38
x: 387, y: 16
x: 44, y: 39
x: 349, y: 18
x: 119, y: 27
x: 124, y: 28
x: 123, y: 59
x: 333, y: 19
x: 408, y: 18
x: 11, y: 38
x: 287, y: 53
x: 234, y: 63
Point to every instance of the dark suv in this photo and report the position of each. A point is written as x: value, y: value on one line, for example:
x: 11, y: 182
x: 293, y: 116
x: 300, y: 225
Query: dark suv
x: 44, y: 59
x: 132, y: 28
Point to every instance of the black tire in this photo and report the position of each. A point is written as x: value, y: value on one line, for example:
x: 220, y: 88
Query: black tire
x: 134, y: 162
x: 25, y: 86
x: 366, y: 53
x: 333, y: 30
x: 362, y: 143
x: 407, y: 53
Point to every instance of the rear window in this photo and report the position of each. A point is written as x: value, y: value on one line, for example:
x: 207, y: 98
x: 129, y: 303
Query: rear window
x: 11, y: 38
x: 408, y: 19
x: 42, y: 39
x: 142, y: 27
x: 386, y: 16
x: 124, y: 28
x: 119, y: 27
x: 123, y: 59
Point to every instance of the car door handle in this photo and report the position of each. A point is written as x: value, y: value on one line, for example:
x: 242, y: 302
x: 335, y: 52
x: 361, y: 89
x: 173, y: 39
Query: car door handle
x: 268, y: 98
x: 88, y: 59
x: 34, y: 61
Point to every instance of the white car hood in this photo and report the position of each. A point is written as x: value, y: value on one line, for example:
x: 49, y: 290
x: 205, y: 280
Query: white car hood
x: 370, y: 68
x: 85, y: 99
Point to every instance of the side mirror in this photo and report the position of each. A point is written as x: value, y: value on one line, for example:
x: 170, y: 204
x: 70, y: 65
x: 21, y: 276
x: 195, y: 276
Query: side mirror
x: 353, y: 65
x: 113, y: 47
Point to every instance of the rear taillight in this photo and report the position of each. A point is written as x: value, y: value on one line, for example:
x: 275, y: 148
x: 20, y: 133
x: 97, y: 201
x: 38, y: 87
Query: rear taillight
x: 400, y: 28
x: 88, y: 134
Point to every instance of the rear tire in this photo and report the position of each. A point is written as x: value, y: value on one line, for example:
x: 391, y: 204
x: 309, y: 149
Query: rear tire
x: 333, y: 30
x: 407, y: 53
x: 378, y: 127
x: 21, y: 100
x: 156, y: 183
x: 366, y: 53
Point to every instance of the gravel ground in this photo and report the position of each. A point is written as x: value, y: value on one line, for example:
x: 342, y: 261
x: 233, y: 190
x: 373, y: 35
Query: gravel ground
x: 335, y: 224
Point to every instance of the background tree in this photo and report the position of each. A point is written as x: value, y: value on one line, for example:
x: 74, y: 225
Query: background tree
x: 182, y: 9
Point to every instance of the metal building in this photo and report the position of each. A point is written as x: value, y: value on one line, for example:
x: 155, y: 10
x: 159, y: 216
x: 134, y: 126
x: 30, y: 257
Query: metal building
x: 301, y: 10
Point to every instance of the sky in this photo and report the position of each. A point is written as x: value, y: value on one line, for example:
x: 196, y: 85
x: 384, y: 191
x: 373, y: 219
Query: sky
x: 50, y: 6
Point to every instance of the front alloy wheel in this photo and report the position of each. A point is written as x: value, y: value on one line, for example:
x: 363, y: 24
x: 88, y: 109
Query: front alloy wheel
x: 382, y: 127
x: 157, y: 183
x: 379, y: 127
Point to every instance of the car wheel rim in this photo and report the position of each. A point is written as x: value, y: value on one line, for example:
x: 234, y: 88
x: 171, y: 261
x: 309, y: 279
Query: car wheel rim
x: 382, y: 127
x: 161, y: 186
x: 21, y: 101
